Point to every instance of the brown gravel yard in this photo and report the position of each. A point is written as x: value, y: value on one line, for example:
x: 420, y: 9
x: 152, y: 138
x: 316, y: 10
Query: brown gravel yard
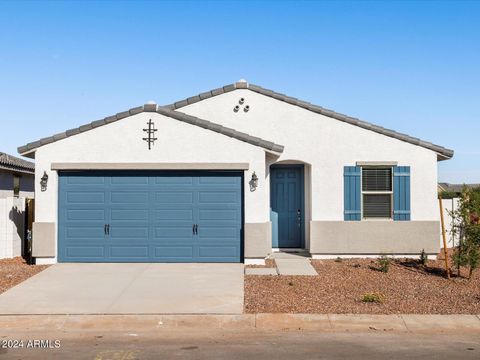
x: 408, y: 288
x: 14, y: 271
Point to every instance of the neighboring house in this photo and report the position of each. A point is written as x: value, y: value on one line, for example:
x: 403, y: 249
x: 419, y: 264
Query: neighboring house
x: 229, y: 176
x: 450, y: 194
x: 455, y: 188
x: 17, y: 177
x: 16, y: 184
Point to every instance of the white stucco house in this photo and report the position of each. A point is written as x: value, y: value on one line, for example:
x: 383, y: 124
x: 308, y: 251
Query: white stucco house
x: 231, y: 175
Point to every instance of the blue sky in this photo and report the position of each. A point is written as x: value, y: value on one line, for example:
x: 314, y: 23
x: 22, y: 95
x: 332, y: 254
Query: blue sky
x: 410, y: 66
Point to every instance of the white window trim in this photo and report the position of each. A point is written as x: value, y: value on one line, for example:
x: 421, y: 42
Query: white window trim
x: 363, y: 218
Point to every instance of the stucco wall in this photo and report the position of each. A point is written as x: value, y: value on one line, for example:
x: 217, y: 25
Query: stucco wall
x: 12, y: 226
x: 327, y: 145
x: 121, y: 142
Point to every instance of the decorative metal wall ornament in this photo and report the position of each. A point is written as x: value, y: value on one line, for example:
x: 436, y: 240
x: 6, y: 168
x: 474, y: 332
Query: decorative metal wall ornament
x: 44, y: 182
x: 150, y: 139
x: 246, y: 108
x: 253, y: 182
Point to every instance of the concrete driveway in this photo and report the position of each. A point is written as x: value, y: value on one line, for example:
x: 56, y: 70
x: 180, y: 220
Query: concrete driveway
x: 129, y: 289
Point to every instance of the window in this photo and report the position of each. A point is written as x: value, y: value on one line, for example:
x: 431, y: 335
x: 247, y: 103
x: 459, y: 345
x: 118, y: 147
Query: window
x: 16, y: 185
x: 377, y: 192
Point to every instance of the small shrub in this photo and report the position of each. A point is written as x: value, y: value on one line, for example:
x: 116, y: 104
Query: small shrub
x: 338, y: 259
x: 384, y: 263
x: 423, y: 258
x: 373, y: 298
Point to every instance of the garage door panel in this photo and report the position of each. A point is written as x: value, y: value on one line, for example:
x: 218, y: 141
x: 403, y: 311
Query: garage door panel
x: 173, y: 197
x: 129, y: 214
x: 85, y: 231
x: 174, y: 181
x: 217, y: 232
x: 128, y: 252
x: 129, y: 180
x: 174, y: 232
x: 85, y: 180
x: 218, y: 252
x: 126, y: 197
x: 128, y: 232
x: 218, y: 214
x: 85, y: 252
x: 218, y: 180
x: 174, y: 252
x: 85, y: 197
x: 151, y: 217
x: 218, y: 197
x: 174, y: 214
x: 86, y: 214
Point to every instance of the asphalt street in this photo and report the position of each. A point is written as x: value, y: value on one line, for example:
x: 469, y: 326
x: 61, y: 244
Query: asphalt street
x: 232, y: 345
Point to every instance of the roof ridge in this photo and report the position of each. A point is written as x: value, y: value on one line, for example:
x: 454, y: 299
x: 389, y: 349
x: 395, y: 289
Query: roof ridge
x: 178, y: 115
x: 446, y: 153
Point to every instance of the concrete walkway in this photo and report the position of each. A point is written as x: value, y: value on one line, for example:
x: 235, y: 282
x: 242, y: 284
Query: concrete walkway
x: 293, y: 264
x: 129, y: 289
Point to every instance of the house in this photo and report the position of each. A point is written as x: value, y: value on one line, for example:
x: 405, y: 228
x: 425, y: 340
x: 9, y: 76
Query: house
x: 16, y: 184
x: 450, y: 199
x: 16, y: 177
x: 455, y: 189
x: 231, y: 175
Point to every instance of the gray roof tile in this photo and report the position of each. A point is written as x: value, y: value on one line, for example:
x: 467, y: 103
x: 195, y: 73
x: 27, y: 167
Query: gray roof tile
x: 14, y: 163
x: 445, y: 153
x: 163, y: 110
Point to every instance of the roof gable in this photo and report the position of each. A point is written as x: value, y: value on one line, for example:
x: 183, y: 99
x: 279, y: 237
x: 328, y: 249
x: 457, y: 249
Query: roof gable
x: 443, y: 153
x: 241, y: 136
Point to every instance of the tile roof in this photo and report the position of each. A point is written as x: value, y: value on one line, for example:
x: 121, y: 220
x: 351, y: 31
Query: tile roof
x: 268, y: 145
x: 442, y: 151
x: 170, y: 110
x: 13, y: 163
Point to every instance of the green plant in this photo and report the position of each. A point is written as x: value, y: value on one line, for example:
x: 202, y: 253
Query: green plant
x: 448, y: 194
x: 338, y: 259
x: 384, y: 263
x: 423, y: 258
x: 373, y: 297
x: 466, y: 226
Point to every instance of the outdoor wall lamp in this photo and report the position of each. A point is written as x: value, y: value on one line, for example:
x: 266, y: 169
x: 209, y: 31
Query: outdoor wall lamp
x: 44, y: 181
x: 253, y: 182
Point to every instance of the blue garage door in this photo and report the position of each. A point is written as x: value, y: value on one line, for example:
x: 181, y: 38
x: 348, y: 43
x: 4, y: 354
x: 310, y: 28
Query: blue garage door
x: 150, y: 217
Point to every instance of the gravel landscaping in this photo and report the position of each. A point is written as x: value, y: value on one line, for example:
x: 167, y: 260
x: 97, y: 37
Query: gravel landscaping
x: 407, y: 288
x: 14, y: 271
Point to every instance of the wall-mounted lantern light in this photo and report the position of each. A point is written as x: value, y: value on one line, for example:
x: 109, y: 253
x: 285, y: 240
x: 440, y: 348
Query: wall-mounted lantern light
x: 44, y: 181
x: 253, y: 182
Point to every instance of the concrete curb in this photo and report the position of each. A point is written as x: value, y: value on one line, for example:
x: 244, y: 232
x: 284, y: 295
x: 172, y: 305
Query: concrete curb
x: 267, y: 322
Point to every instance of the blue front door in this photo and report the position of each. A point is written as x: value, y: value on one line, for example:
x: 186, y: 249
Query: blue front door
x: 150, y: 217
x: 287, y: 206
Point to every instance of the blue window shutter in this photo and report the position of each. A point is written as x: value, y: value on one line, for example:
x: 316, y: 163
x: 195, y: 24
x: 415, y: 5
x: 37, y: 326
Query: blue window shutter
x: 351, y: 193
x: 401, y: 193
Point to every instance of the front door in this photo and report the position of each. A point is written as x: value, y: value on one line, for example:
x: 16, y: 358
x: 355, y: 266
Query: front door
x: 287, y: 206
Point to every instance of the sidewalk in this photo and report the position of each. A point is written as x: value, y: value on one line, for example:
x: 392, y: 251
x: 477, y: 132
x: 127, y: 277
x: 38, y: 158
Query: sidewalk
x: 10, y: 324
